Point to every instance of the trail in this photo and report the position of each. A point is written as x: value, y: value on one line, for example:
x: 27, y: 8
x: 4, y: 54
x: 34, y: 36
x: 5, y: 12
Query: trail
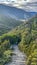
x: 19, y: 58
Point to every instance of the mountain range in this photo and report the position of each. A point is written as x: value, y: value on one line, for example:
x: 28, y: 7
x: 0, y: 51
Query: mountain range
x: 10, y: 17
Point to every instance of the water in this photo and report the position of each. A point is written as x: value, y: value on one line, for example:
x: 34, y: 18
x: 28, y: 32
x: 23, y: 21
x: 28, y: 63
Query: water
x: 19, y: 58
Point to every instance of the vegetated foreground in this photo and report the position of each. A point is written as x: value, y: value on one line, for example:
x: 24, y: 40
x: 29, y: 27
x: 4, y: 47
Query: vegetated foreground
x: 25, y: 36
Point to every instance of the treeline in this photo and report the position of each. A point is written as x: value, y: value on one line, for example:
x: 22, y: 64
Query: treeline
x: 25, y: 36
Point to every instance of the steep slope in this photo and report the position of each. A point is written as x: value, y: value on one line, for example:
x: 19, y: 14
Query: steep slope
x: 25, y: 36
x: 7, y: 23
x: 9, y: 14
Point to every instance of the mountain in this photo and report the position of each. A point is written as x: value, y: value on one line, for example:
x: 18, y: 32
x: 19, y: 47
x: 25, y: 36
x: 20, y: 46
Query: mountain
x: 15, y: 12
x: 10, y: 17
x: 7, y: 23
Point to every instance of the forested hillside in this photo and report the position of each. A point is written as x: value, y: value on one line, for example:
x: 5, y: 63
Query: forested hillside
x: 25, y: 36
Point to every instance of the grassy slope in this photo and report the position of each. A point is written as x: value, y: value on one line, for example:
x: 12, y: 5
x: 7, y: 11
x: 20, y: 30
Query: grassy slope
x: 7, y: 23
x: 26, y: 36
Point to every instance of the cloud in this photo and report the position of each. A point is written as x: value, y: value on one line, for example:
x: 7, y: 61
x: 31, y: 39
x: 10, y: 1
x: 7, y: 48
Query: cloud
x: 28, y: 5
x: 32, y: 0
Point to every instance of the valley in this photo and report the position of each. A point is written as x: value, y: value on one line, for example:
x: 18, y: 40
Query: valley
x: 11, y: 17
x: 7, y: 24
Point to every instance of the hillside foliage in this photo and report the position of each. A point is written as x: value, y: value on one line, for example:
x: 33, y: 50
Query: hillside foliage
x: 25, y: 36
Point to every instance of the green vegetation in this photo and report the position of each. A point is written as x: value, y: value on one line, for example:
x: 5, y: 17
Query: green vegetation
x: 7, y: 23
x: 5, y: 52
x: 25, y: 36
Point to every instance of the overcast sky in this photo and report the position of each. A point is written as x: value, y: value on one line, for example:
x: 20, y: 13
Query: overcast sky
x: 33, y: 0
x: 25, y: 0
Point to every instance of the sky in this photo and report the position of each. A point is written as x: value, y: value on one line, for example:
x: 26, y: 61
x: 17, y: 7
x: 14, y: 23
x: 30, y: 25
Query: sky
x: 7, y: 0
x: 26, y: 6
x: 19, y: 0
x: 22, y: 0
